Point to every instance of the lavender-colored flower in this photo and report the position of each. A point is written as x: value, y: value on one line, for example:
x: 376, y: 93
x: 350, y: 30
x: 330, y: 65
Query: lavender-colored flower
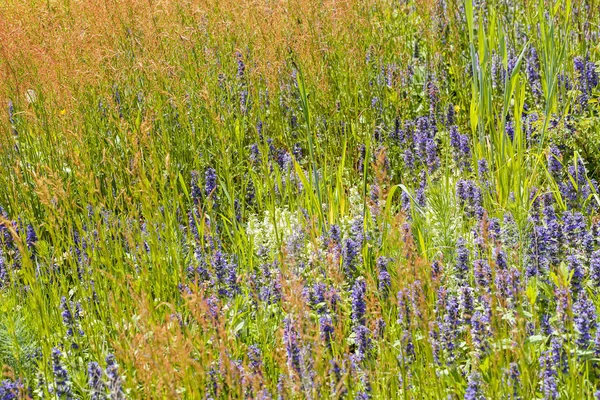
x: 462, y: 259
x: 264, y: 394
x: 226, y: 274
x: 454, y: 137
x: 466, y: 304
x: 362, y: 153
x: 196, y: 192
x: 480, y: 331
x: 326, y: 328
x: 513, y: 379
x: 494, y: 229
x: 588, y: 78
x: 254, y: 154
x: 548, y: 376
x: 380, y: 328
x: 71, y: 315
x: 384, y: 277
x: 350, y: 252
x: 259, y: 129
x: 4, y: 272
x: 450, y: 115
x: 469, y: 196
x: 409, y: 159
x: 595, y: 268
x: 474, y: 387
x: 359, y: 305
x: 465, y: 148
x: 584, y: 317
x: 250, y: 192
x: 576, y: 269
x: 404, y: 314
x: 533, y: 73
x: 96, y: 382
x: 62, y: 380
x: 255, y: 358
x: 335, y: 372
x: 538, y: 251
x: 559, y: 354
x: 210, y: 183
x: 422, y: 136
x: 405, y: 202
x: 482, y: 168
x: 420, y: 197
x: 297, y: 152
x: 436, y: 269
x: 12, y: 390
x: 579, y: 172
x: 316, y: 297
x: 291, y: 339
x: 509, y: 129
x: 11, y: 112
x: 115, y: 384
x: 483, y: 273
x: 449, y: 329
x: 554, y: 163
x: 362, y: 340
x: 31, y: 238
x: 335, y: 234
x: 244, y: 101
x: 241, y: 66
x: 591, y: 74
x: 433, y: 160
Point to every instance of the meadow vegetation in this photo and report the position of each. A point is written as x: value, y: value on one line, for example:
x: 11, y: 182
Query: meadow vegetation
x: 205, y: 199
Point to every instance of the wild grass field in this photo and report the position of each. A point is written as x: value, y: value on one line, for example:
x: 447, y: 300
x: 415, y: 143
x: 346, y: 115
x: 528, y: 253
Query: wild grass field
x: 299, y: 199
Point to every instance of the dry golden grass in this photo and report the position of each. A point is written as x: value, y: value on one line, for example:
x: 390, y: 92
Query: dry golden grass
x: 64, y: 46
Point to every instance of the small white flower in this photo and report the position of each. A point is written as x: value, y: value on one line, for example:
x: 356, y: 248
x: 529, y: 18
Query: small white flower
x: 30, y: 96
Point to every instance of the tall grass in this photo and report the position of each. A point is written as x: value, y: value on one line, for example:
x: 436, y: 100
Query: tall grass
x: 202, y: 188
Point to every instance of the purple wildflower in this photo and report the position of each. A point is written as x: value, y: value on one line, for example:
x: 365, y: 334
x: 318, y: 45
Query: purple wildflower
x: 474, y: 387
x: 96, y: 382
x: 462, y: 259
x: 241, y: 66
x: 12, y: 390
x: 584, y: 316
x: 509, y: 129
x: 362, y: 341
x: 483, y: 273
x: 326, y: 328
x: 409, y: 159
x: 350, y: 253
x: 595, y: 268
x: 31, y: 238
x: 554, y: 163
x: 466, y: 304
x: 480, y: 331
x: 255, y: 358
x: 115, y: 384
x: 210, y: 184
x: 62, y: 380
x: 482, y: 168
x: 358, y: 302
x: 384, y: 276
x: 548, y: 376
x: 576, y: 269
x: 533, y: 74
x: 291, y: 338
